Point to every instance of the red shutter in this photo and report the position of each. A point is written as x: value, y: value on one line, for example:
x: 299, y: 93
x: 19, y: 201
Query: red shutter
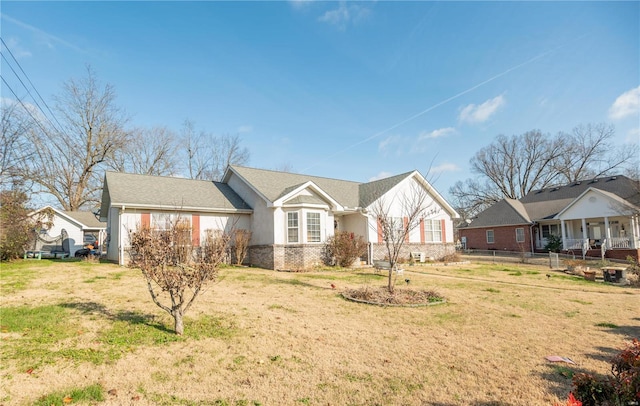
x: 421, y: 231
x: 380, y: 239
x: 195, y: 230
x: 145, y: 220
x: 444, y: 230
x: 405, y: 223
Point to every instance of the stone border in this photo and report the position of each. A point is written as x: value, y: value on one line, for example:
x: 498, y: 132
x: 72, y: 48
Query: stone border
x: 443, y: 301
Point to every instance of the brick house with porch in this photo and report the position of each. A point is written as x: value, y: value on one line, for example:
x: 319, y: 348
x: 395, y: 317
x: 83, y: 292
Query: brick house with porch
x: 594, y: 218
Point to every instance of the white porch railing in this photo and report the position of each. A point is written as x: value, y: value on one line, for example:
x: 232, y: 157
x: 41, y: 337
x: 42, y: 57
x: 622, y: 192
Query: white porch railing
x: 619, y: 242
x: 575, y: 243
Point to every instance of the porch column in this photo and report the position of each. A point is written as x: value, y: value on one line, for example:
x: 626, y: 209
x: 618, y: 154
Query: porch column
x: 564, y: 235
x: 634, y: 232
x: 607, y: 232
x: 585, y: 231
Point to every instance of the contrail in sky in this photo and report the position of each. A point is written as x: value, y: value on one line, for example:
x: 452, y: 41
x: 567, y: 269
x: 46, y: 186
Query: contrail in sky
x: 423, y: 112
x: 49, y: 37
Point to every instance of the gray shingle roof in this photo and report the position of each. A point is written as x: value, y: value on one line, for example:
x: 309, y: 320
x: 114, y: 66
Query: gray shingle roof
x: 86, y: 218
x: 371, y: 191
x: 273, y: 184
x: 547, y: 203
x: 168, y: 192
x: 505, y: 212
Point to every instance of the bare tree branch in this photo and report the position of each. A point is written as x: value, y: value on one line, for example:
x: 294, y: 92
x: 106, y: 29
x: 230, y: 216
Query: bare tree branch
x: 67, y: 164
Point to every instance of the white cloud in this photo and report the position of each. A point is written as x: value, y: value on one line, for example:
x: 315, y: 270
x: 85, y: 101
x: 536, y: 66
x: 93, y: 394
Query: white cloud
x: 441, y: 132
x: 299, y: 4
x: 16, y: 49
x: 633, y: 136
x: 391, y: 144
x: 444, y: 168
x: 627, y: 104
x: 481, y: 113
x: 344, y: 15
x: 381, y: 175
x: 245, y: 129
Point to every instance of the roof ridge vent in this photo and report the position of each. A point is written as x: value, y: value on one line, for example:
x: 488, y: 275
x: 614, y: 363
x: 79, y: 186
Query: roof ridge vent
x: 578, y: 182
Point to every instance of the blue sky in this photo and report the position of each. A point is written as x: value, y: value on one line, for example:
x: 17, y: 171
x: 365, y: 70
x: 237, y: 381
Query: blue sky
x: 350, y: 90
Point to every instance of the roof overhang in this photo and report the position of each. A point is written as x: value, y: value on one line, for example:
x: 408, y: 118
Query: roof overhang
x: 160, y: 207
x: 70, y: 219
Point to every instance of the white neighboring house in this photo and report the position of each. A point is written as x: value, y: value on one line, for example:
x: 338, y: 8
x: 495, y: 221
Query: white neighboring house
x: 290, y: 215
x: 80, y: 227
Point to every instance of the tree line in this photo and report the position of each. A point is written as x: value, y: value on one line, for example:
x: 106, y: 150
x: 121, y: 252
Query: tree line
x: 512, y: 166
x: 66, y: 157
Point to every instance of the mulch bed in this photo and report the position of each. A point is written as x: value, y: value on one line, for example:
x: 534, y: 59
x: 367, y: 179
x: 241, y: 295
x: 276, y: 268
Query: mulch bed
x: 400, y: 297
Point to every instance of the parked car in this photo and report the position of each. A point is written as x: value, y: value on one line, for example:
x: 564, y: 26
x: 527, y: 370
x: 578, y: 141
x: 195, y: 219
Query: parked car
x: 90, y: 240
x: 85, y: 252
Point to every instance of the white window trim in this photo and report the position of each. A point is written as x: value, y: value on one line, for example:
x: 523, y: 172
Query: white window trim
x: 297, y: 213
x: 307, y: 231
x: 493, y: 236
x: 523, y: 236
x: 429, y: 230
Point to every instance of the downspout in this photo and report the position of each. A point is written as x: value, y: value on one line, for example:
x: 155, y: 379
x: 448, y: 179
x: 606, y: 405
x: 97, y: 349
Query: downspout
x: 531, y: 236
x: 363, y: 212
x: 120, y: 232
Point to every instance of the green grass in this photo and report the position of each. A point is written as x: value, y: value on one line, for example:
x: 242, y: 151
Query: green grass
x: 45, y: 334
x: 607, y: 325
x: 88, y: 394
x: 16, y: 276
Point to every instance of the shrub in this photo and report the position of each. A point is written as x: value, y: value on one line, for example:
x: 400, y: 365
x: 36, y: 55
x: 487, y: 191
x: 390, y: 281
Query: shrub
x: 15, y: 225
x: 241, y: 240
x: 343, y: 248
x: 554, y: 243
x: 453, y: 257
x: 633, y: 271
x: 622, y: 388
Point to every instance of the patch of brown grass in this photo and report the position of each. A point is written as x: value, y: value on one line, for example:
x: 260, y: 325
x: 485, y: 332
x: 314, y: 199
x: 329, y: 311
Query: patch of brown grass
x: 298, y: 341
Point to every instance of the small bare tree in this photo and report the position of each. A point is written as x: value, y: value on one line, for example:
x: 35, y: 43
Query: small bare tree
x: 241, y: 239
x: 396, y: 219
x: 172, y: 265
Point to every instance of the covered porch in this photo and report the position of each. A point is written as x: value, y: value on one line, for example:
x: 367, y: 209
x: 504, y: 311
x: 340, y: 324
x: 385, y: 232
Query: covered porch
x: 592, y: 236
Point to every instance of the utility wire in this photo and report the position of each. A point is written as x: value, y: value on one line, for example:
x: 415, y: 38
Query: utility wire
x: 59, y: 127
x: 24, y: 107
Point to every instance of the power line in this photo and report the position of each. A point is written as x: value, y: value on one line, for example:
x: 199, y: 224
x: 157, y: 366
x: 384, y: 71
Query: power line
x: 24, y: 107
x: 59, y: 127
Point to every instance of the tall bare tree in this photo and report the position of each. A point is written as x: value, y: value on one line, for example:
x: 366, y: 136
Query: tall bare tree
x: 511, y: 167
x: 67, y: 161
x: 208, y: 155
x: 149, y: 151
x: 15, y: 124
x: 589, y: 153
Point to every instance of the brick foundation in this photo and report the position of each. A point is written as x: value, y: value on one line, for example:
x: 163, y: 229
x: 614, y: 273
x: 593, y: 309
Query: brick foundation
x: 289, y: 257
